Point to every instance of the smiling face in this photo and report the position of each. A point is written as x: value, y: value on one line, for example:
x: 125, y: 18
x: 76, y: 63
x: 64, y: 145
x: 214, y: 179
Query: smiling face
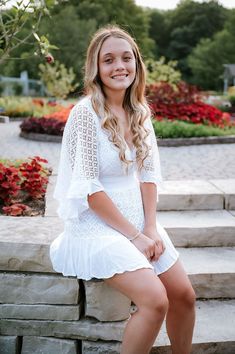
x: 117, y: 65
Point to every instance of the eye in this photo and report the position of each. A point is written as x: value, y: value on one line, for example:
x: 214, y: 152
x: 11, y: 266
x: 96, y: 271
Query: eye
x: 108, y: 61
x: 127, y: 58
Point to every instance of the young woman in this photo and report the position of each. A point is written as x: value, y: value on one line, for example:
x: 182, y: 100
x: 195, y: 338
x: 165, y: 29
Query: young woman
x: 107, y: 190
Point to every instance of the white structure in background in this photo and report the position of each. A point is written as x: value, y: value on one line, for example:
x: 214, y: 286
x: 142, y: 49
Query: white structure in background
x: 229, y: 76
x: 21, y: 86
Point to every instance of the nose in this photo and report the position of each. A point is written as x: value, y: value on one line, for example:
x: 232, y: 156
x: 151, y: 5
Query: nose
x: 119, y: 65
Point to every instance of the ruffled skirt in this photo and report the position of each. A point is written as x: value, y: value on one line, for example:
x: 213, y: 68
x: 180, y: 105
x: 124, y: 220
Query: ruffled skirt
x: 89, y: 248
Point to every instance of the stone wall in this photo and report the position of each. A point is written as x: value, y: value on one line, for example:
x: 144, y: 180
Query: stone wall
x: 51, y: 314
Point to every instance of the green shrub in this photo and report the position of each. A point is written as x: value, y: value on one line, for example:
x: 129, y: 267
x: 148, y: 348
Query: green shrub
x: 178, y: 129
x: 160, y: 70
x: 232, y: 100
x: 57, y: 79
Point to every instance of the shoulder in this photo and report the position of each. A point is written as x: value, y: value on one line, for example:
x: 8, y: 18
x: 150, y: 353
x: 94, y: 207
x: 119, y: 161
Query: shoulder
x: 83, y: 105
x: 83, y: 112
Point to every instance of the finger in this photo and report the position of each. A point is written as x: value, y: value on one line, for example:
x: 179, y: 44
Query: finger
x: 147, y: 255
x: 150, y: 256
x: 161, y: 247
x: 156, y: 254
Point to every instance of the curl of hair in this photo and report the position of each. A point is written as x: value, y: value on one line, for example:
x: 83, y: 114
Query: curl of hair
x: 134, y: 101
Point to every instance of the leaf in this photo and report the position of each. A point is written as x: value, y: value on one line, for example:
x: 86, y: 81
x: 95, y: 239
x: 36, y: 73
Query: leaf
x: 36, y: 36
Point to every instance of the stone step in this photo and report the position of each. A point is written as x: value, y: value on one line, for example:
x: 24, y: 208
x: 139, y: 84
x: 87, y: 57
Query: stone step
x: 227, y: 186
x: 29, y: 252
x: 214, y: 331
x: 24, y: 242
x: 177, y: 195
x: 211, y: 270
x: 200, y: 228
x: 197, y: 195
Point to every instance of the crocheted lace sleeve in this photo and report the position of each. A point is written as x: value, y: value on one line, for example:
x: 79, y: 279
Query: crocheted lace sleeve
x: 78, y: 174
x: 151, y: 171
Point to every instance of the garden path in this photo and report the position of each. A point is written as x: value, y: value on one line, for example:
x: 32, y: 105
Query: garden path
x: 186, y: 162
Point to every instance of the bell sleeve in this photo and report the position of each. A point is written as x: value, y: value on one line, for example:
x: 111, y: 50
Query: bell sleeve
x: 151, y: 171
x: 78, y: 174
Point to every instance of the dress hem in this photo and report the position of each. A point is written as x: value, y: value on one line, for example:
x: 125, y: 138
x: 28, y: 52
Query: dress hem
x: 107, y: 276
x: 170, y: 266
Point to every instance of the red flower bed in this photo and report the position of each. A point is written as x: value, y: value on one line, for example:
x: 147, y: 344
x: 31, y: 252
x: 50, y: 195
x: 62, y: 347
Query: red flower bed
x: 183, y: 103
x: 52, y: 124
x: 23, y: 187
x: 42, y: 126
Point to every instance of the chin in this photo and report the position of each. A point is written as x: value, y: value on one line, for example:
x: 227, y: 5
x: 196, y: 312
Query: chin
x: 121, y: 86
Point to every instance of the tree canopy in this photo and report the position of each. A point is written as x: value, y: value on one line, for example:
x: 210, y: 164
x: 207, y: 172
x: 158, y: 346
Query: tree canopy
x: 199, y: 36
x: 208, y: 57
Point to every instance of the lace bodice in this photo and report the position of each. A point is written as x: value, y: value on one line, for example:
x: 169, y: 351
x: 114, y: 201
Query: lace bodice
x: 89, y: 161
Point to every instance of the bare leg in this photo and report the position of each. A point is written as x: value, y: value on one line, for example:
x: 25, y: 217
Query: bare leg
x: 145, y: 289
x: 181, y: 313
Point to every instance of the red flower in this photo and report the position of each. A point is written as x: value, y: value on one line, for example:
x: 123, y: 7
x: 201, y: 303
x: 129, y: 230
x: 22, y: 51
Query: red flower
x: 17, y: 184
x: 49, y: 58
x: 15, y: 209
x: 184, y: 104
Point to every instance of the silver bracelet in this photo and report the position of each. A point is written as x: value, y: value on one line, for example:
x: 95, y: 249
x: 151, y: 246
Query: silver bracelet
x: 134, y: 237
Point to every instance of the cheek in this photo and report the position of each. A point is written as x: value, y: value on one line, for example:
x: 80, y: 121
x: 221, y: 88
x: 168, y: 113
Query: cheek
x: 132, y: 69
x: 104, y: 72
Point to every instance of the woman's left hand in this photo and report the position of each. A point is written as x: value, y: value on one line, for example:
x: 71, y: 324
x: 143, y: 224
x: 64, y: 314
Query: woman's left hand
x: 152, y: 233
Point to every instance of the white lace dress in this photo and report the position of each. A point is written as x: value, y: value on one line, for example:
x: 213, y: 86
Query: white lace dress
x: 88, y: 247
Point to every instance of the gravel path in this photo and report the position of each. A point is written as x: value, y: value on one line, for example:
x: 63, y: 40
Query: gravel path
x: 186, y: 162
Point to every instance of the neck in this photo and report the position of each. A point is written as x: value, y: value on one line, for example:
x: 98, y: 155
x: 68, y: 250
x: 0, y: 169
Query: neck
x: 115, y: 99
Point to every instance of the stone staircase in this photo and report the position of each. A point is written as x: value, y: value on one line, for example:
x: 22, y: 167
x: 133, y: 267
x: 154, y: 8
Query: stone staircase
x: 201, y: 225
x: 41, y: 311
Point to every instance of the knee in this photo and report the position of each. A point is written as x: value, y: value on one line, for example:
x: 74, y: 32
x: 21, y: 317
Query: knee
x: 187, y: 297
x: 157, y: 303
x: 190, y: 297
x: 161, y: 305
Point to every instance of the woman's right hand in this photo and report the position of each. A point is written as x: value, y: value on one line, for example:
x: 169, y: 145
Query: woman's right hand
x: 145, y: 245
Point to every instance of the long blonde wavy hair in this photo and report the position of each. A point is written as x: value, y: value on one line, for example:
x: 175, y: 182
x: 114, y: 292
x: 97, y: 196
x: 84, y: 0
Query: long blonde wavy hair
x: 134, y: 101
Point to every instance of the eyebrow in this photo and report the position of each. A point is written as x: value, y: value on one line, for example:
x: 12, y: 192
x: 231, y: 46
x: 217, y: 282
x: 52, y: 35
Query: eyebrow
x: 126, y: 52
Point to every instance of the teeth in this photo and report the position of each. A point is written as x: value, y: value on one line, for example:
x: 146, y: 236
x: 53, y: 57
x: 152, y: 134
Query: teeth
x: 114, y: 77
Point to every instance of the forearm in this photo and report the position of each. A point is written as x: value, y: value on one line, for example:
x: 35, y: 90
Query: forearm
x: 149, y: 198
x: 104, y: 207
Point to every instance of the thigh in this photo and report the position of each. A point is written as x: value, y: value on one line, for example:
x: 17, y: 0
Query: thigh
x: 176, y: 282
x: 142, y: 286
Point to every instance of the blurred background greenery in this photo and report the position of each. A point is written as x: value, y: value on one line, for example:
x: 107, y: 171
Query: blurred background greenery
x: 185, y: 50
x: 199, y: 36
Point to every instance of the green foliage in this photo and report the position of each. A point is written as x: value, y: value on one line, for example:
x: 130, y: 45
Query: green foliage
x: 24, y: 107
x: 70, y: 27
x: 71, y: 34
x: 173, y: 34
x: 176, y: 129
x: 18, y: 89
x: 124, y: 13
x: 57, y: 79
x: 208, y: 57
x: 232, y: 100
x: 158, y: 31
x: 13, y: 22
x: 177, y: 32
x: 160, y: 70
